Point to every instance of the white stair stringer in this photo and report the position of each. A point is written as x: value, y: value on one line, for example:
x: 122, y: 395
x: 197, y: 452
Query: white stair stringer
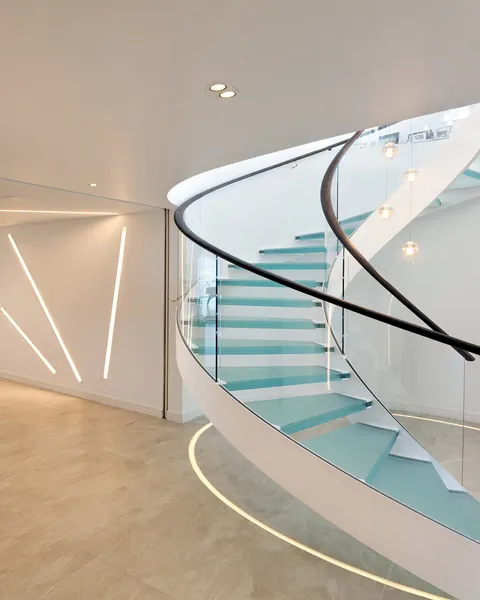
x: 402, y: 535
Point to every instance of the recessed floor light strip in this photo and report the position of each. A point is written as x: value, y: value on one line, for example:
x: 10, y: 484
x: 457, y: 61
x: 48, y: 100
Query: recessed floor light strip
x: 113, y: 314
x: 436, y: 421
x: 29, y: 341
x: 45, y: 309
x: 289, y: 540
x: 58, y: 212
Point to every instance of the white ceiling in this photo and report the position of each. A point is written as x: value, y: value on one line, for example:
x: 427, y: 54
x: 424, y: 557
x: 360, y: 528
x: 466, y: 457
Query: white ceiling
x: 114, y: 91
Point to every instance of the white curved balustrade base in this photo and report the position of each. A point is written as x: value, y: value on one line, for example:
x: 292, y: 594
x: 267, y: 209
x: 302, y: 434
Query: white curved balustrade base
x: 409, y: 539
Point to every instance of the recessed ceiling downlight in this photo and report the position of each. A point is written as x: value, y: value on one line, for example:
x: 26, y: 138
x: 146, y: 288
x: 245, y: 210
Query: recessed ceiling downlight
x: 92, y: 184
x: 217, y: 87
x: 228, y: 94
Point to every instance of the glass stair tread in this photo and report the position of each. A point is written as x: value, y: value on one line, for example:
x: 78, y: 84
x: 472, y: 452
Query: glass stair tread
x: 295, y: 414
x: 418, y: 485
x: 316, y: 235
x: 257, y: 323
x: 257, y: 347
x: 272, y: 302
x: 289, y: 266
x: 249, y: 378
x: 356, y: 218
x: 295, y: 250
x: 262, y: 282
x: 357, y: 449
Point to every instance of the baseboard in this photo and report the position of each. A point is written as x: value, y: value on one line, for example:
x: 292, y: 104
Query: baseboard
x: 183, y: 417
x: 117, y: 403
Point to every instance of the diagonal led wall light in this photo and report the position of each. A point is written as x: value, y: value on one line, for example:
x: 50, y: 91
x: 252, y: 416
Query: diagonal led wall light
x: 113, y: 314
x: 29, y: 341
x: 45, y: 309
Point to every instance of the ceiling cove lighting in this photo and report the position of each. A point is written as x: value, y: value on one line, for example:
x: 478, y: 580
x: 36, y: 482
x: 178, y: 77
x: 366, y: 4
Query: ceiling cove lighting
x: 385, y: 211
x: 228, y: 94
x: 217, y: 87
x: 45, y: 309
x: 113, y: 314
x: 57, y: 212
x: 29, y: 341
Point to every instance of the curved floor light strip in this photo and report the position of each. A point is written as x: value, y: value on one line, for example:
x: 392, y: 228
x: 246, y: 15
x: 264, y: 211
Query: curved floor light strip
x: 45, y: 309
x: 29, y: 341
x: 289, y: 540
x: 113, y: 314
x: 436, y: 421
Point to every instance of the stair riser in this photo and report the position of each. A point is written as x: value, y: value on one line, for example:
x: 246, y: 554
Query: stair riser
x: 314, y: 313
x: 261, y: 292
x: 259, y: 360
x: 291, y: 274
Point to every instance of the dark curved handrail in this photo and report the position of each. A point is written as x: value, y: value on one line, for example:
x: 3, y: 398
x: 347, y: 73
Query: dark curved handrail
x: 179, y: 219
x: 328, y: 211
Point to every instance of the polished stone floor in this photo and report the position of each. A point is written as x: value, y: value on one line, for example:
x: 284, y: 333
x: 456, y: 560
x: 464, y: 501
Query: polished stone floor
x: 102, y: 503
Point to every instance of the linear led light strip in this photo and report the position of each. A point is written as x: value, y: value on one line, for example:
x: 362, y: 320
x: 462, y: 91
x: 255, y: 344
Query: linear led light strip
x: 113, y: 314
x: 29, y: 341
x: 56, y: 212
x: 278, y: 534
x: 45, y: 309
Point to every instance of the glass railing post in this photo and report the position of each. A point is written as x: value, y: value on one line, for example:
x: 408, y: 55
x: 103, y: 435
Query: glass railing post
x: 216, y: 318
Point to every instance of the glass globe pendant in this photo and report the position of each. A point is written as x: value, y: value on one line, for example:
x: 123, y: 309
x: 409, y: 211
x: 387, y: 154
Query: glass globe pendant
x: 385, y: 211
x: 410, y: 248
x: 410, y: 175
x: 390, y: 150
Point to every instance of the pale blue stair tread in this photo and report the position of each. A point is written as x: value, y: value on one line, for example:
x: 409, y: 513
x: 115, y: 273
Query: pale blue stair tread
x: 257, y: 347
x: 306, y: 302
x: 316, y: 235
x: 472, y: 173
x: 262, y: 282
x: 295, y: 414
x: 360, y: 217
x: 418, y: 485
x: 295, y: 250
x: 257, y: 323
x: 249, y: 378
x: 358, y: 449
x: 288, y: 266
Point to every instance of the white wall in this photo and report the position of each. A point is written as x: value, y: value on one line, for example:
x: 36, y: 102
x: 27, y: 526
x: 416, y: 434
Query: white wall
x: 443, y: 281
x: 74, y: 265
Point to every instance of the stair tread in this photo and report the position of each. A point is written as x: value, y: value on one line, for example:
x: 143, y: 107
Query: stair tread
x: 288, y: 266
x: 257, y: 323
x: 246, y: 347
x: 357, y: 448
x: 295, y: 250
x: 247, y: 378
x: 262, y: 282
x: 418, y: 485
x: 295, y: 414
x: 252, y: 301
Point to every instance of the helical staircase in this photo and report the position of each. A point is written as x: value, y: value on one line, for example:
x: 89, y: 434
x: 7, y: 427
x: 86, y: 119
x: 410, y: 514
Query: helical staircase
x: 296, y: 364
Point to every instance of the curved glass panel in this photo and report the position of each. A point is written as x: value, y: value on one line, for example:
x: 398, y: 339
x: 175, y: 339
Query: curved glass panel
x: 365, y: 396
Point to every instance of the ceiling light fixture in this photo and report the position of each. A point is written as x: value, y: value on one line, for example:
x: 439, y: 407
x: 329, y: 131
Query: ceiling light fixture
x: 390, y: 150
x: 385, y: 211
x: 92, y: 184
x: 410, y: 175
x: 228, y: 94
x: 410, y: 248
x: 217, y: 87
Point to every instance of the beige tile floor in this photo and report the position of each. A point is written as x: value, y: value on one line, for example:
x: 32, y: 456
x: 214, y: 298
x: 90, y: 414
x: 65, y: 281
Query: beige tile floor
x: 101, y: 503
